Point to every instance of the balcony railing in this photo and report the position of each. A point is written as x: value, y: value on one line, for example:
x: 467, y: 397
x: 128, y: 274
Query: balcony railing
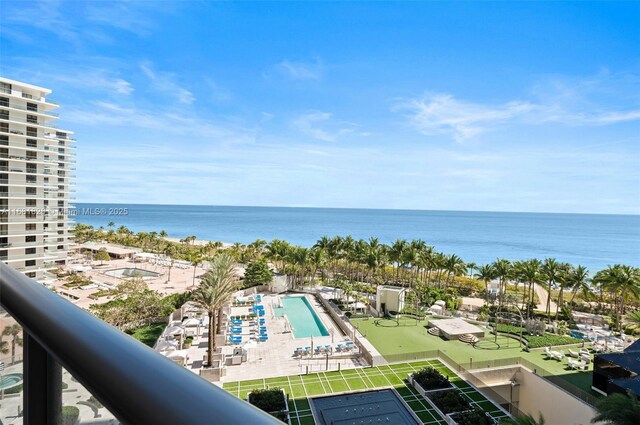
x: 133, y: 382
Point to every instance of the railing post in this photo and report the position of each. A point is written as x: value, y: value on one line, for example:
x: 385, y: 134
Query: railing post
x: 42, y: 385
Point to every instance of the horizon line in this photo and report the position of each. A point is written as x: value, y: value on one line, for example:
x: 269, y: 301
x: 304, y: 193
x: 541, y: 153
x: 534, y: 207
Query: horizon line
x: 363, y: 208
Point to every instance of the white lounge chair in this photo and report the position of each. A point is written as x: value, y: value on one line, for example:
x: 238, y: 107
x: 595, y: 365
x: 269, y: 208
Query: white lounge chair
x: 577, y: 364
x: 572, y: 353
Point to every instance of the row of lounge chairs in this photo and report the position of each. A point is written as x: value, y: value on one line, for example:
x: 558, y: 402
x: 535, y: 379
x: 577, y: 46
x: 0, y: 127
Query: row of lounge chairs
x: 326, y: 349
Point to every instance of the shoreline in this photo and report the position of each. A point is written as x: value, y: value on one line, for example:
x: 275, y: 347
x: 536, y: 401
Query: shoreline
x: 198, y: 242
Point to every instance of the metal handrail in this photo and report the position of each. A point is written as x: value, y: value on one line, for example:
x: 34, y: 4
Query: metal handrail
x: 132, y: 381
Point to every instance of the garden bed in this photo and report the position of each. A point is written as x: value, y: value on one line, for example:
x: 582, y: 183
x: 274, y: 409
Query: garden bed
x: 537, y: 341
x: 271, y: 400
x: 472, y: 417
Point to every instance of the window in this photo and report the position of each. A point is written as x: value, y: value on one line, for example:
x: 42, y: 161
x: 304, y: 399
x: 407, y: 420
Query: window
x: 32, y: 168
x: 30, y: 214
x: 33, y: 107
x: 30, y: 226
x: 29, y: 238
x: 30, y: 263
x: 32, y: 155
x: 31, y: 202
x: 4, y: 140
x: 5, y: 88
x: 61, y: 203
x: 30, y: 274
x: 32, y: 143
x: 32, y: 179
x: 4, y: 114
x: 4, y: 101
x: 33, y: 119
x: 29, y: 251
x: 31, y: 190
x: 4, y: 127
x: 32, y: 131
x: 60, y: 246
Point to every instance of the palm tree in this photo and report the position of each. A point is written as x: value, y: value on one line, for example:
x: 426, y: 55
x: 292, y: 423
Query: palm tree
x: 4, y: 347
x: 527, y: 419
x: 14, y: 332
x: 579, y: 279
x: 623, y: 282
x: 216, y: 288
x: 396, y: 255
x: 503, y: 271
x: 195, y: 259
x: 618, y: 409
x: 531, y: 273
x: 486, y: 273
x: 551, y: 270
x: 633, y: 319
x: 170, y: 251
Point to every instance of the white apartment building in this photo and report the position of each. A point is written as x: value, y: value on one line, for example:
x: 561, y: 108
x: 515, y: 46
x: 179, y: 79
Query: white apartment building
x: 36, y: 177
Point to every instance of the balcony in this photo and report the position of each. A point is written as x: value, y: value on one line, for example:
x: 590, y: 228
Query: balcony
x: 137, y: 385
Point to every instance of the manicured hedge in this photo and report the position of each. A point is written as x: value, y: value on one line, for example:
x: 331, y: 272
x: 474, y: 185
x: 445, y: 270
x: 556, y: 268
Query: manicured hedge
x: 539, y: 341
x: 430, y: 379
x: 271, y: 400
x: 550, y: 339
x: 473, y: 417
x: 449, y: 401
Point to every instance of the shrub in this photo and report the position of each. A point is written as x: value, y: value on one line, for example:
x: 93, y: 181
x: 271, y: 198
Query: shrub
x: 430, y: 379
x: 270, y: 399
x: 473, y: 417
x: 550, y: 339
x: 535, y: 341
x: 449, y: 401
x: 70, y: 415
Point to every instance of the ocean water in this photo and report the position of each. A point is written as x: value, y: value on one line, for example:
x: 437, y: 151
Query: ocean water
x: 593, y: 241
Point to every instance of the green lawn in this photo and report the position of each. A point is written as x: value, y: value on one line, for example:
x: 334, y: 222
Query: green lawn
x: 148, y: 334
x: 300, y: 388
x: 406, y: 336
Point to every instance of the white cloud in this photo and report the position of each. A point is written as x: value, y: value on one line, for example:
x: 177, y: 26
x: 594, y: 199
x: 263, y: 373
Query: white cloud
x: 321, y: 125
x: 442, y: 113
x: 300, y: 70
x: 165, y: 83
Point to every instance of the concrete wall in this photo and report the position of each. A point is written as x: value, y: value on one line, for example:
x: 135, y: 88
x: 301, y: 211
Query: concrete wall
x: 534, y: 394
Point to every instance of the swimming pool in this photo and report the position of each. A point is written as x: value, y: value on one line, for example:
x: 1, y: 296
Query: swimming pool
x: 129, y: 272
x: 304, y: 321
x: 10, y: 380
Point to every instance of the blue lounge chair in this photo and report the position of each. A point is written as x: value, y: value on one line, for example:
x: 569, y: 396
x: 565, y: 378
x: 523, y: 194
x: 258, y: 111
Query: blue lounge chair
x: 236, y: 330
x: 258, y: 298
x: 236, y: 321
x: 263, y: 337
x: 261, y: 321
x: 260, y: 312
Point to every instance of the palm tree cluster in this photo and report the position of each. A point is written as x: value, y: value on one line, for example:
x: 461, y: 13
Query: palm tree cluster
x: 214, y: 292
x: 402, y: 262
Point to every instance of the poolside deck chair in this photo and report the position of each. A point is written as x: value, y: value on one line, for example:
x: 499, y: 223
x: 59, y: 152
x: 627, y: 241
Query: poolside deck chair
x: 263, y: 337
x: 572, y: 353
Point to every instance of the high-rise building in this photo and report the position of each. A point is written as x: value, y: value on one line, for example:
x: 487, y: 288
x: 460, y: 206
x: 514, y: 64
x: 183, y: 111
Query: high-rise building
x: 36, y: 166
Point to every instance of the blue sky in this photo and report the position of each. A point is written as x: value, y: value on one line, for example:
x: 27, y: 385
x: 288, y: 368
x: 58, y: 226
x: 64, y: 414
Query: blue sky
x: 459, y: 106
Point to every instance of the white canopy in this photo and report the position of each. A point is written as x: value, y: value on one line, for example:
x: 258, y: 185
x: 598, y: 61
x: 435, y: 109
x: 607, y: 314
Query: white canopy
x: 174, y: 330
x: 191, y: 323
x: 177, y: 354
x: 165, y: 345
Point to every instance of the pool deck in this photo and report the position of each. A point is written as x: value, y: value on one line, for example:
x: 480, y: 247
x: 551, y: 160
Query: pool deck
x: 275, y: 357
